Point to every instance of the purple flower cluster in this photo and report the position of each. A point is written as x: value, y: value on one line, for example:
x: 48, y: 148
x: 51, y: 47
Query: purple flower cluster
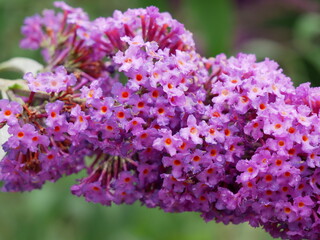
x: 230, y: 138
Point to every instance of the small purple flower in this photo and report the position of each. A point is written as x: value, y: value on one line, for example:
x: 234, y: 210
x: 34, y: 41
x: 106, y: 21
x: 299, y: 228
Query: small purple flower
x: 192, y: 131
x: 147, y: 173
x: 128, y: 60
x: 8, y: 111
x: 91, y: 93
x: 80, y: 123
x: 135, y: 125
x: 54, y: 114
x: 303, y: 206
x: 167, y: 141
x: 249, y: 170
x: 22, y: 136
x: 121, y: 93
x: 102, y: 109
x: 178, y: 164
x: 36, y: 140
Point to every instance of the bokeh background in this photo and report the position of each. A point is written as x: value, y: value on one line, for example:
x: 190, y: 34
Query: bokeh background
x: 287, y: 31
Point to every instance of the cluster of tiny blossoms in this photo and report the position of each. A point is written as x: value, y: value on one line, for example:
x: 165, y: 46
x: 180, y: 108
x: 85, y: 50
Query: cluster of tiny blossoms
x: 128, y: 99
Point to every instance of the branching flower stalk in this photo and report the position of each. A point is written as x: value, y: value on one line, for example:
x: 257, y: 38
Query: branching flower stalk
x: 231, y: 138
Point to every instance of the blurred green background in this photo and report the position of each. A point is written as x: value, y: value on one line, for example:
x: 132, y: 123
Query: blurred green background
x: 287, y: 31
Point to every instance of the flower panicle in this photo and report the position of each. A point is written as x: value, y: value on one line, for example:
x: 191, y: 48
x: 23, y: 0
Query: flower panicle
x: 231, y: 138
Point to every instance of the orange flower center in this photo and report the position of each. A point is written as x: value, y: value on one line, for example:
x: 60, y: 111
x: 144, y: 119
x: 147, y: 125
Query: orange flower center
x: 262, y: 106
x: 168, y: 141
x: 287, y: 210
x: 125, y: 95
x: 213, y: 152
x: 160, y: 110
x: 127, y: 179
x: 35, y: 138
x: 120, y: 114
x: 20, y: 134
x: 291, y: 130
x: 268, y: 178
x: 250, y: 169
x: 7, y: 113
x: 196, y: 158
x: 138, y: 77
x: 144, y: 135
x: 177, y: 162
x: 193, y: 130
x: 140, y: 104
x: 104, y: 109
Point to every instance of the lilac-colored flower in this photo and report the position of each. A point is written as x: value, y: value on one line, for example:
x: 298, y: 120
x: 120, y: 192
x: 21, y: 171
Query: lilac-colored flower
x: 8, y: 111
x: 121, y: 93
x: 303, y: 206
x: 50, y: 82
x: 249, y: 170
x: 192, y: 131
x: 135, y: 125
x: 197, y: 161
x: 54, y: 114
x: 145, y: 138
x: 102, y: 109
x: 162, y: 112
x: 80, y: 123
x: 128, y: 60
x: 22, y: 136
x: 91, y: 93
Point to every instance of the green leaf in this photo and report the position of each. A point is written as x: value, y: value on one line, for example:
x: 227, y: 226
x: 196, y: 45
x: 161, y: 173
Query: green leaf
x: 22, y: 65
x: 6, y: 84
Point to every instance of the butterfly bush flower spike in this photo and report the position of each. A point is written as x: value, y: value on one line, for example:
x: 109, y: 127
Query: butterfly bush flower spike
x: 230, y: 138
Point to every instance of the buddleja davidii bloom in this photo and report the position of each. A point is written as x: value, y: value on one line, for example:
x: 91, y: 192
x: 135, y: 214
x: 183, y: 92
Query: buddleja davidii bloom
x: 148, y: 24
x: 225, y: 137
x: 286, y: 129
